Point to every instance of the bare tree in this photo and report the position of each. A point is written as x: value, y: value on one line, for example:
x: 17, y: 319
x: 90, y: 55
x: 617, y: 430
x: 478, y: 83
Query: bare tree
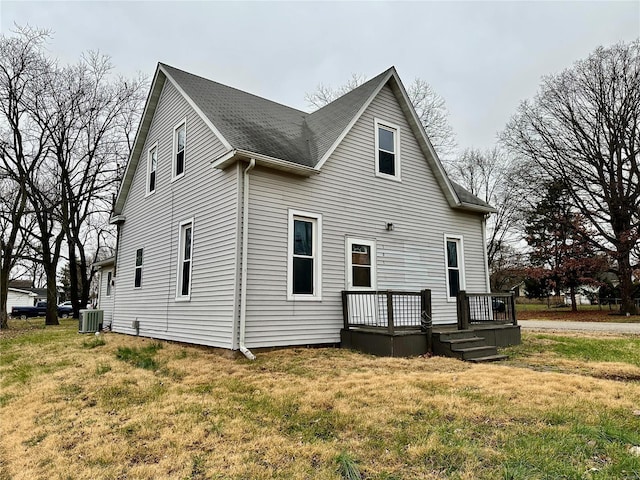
x: 583, y: 128
x: 66, y: 132
x: 22, y: 143
x: 429, y: 106
x: 494, y: 177
x: 93, y: 115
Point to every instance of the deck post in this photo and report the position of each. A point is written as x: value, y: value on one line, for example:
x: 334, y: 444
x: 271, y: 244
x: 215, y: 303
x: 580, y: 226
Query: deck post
x: 426, y: 320
x: 512, y: 301
x: 390, y: 312
x: 345, y: 309
x: 463, y: 311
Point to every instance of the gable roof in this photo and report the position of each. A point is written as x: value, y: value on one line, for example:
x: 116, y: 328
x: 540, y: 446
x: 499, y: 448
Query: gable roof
x: 283, y: 137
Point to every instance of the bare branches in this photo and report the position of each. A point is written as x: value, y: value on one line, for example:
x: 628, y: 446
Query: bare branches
x: 325, y: 94
x: 429, y: 106
x: 65, y: 132
x: 582, y: 128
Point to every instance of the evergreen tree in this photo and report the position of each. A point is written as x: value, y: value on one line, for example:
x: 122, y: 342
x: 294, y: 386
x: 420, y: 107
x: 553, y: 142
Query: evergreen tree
x: 561, y: 254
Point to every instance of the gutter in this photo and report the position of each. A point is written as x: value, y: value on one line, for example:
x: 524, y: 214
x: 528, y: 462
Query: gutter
x: 245, y: 241
x: 231, y: 156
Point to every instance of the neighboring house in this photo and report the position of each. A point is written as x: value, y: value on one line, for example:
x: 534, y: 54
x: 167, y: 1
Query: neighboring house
x: 106, y: 288
x: 241, y: 220
x: 519, y: 290
x: 20, y: 294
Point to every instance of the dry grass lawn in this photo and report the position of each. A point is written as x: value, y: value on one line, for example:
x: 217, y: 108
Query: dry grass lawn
x: 113, y: 407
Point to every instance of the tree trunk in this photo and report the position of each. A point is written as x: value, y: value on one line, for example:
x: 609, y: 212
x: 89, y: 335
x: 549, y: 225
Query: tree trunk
x: 572, y: 292
x: 73, y: 277
x: 4, y: 292
x: 627, y: 304
x: 52, y: 296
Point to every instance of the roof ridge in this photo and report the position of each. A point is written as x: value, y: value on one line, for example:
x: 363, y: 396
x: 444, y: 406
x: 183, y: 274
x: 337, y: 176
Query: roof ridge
x: 302, y: 112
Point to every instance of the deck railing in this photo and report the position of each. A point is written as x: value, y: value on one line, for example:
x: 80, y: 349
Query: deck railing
x: 485, y: 309
x: 387, y: 310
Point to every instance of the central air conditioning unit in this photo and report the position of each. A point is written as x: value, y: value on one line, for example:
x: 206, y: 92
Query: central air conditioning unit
x: 90, y: 321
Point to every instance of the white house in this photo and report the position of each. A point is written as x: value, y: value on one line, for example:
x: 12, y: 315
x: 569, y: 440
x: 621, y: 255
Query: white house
x: 20, y: 294
x: 242, y: 220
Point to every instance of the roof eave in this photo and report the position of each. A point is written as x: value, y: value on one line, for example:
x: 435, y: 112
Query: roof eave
x: 235, y: 155
x: 476, y: 208
x: 105, y: 263
x: 141, y: 135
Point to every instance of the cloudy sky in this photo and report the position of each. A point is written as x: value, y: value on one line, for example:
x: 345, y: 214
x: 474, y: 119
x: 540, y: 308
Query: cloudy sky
x: 482, y: 57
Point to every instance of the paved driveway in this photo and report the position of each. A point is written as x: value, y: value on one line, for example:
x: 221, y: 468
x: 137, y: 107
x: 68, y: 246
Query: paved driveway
x: 606, y: 327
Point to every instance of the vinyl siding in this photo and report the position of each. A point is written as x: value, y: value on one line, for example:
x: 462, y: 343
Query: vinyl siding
x: 152, y: 222
x: 106, y: 303
x: 354, y: 202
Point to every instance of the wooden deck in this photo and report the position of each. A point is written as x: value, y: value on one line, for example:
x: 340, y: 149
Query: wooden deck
x: 399, y: 324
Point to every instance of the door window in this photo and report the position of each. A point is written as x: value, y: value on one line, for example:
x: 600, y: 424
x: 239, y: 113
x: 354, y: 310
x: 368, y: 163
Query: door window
x: 361, y: 264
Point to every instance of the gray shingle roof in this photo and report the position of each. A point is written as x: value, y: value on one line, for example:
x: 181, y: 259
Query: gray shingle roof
x: 466, y: 196
x: 327, y: 123
x: 259, y: 126
x: 248, y: 122
x: 252, y: 123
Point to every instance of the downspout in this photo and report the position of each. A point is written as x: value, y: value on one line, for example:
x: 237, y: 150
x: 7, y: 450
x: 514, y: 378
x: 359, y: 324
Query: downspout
x: 245, y: 240
x: 484, y: 252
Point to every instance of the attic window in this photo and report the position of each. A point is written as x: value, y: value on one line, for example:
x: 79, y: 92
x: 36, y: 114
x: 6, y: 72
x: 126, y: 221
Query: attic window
x: 179, y: 148
x: 387, y: 150
x: 152, y: 166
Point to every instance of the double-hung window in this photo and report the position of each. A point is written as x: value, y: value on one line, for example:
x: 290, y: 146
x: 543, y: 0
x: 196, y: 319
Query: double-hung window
x: 179, y: 148
x: 387, y: 150
x: 152, y: 166
x: 305, y: 256
x: 138, y: 273
x: 185, y: 260
x: 455, y: 266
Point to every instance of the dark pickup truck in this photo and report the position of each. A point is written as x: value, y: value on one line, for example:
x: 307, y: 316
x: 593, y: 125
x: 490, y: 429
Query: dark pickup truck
x: 39, y: 310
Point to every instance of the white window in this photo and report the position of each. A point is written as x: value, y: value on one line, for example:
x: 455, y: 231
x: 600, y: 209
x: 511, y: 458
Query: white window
x: 454, y: 256
x: 304, y: 279
x: 361, y: 264
x: 387, y: 150
x: 179, y: 148
x: 152, y: 166
x: 185, y: 260
x: 138, y: 273
x: 109, y: 280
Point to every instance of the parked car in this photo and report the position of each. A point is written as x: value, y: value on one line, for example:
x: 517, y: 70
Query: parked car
x: 498, y: 305
x: 40, y: 310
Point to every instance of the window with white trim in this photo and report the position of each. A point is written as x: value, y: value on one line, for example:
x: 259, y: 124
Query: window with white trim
x: 179, y: 148
x: 361, y: 264
x: 387, y: 150
x: 185, y: 260
x: 304, y: 279
x: 137, y: 283
x: 152, y: 166
x: 455, y: 266
x: 109, y: 280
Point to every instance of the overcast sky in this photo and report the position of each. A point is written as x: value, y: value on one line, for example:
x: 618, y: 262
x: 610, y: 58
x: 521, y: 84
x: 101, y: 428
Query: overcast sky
x: 482, y: 57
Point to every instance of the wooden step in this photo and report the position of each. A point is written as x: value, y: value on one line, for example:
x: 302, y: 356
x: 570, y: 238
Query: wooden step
x: 489, y: 358
x: 474, y: 352
x: 453, y: 334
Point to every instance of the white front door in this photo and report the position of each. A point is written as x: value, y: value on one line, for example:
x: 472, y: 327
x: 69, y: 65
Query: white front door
x: 361, y: 276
